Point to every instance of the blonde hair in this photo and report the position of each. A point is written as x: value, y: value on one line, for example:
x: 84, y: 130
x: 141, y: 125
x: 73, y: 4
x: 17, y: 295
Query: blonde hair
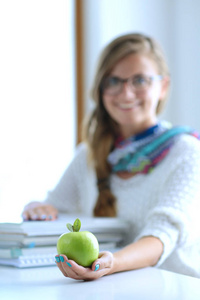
x: 100, y: 130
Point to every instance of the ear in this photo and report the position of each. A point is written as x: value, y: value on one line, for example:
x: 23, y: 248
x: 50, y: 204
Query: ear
x: 164, y: 87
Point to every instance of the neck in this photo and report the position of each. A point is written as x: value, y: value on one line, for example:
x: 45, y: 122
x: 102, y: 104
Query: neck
x: 127, y: 131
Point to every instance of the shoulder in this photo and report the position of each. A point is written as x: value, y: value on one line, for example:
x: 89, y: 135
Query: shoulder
x: 81, y: 151
x: 80, y: 158
x: 186, y: 144
x: 185, y: 153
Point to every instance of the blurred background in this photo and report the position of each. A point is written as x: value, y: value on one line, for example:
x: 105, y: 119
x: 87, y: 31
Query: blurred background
x: 48, y: 53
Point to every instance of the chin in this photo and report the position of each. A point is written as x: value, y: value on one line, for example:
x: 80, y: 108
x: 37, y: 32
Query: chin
x: 132, y: 128
x: 130, y: 123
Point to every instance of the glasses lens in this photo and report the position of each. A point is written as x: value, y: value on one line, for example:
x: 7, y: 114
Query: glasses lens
x: 111, y: 85
x: 139, y: 83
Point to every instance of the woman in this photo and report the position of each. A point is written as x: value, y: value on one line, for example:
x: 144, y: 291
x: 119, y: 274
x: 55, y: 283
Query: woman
x: 132, y: 166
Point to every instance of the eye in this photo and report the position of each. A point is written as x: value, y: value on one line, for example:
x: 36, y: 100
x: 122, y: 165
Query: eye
x: 111, y: 82
x: 139, y: 81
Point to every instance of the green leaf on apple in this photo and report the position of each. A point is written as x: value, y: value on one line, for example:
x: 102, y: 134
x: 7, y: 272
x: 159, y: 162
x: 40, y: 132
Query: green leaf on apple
x: 70, y: 227
x: 75, y: 227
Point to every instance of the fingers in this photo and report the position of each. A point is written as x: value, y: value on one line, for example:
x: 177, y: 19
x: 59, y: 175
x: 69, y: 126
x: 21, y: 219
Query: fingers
x: 99, y: 268
x: 39, y: 211
x: 59, y: 260
x: 69, y: 268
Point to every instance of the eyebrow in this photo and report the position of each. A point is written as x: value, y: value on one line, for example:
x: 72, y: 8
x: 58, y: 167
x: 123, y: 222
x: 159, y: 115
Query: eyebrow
x: 136, y: 75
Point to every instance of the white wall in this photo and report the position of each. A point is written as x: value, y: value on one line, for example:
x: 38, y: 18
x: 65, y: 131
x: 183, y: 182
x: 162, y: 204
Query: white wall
x: 37, y: 98
x: 187, y: 55
x: 174, y: 23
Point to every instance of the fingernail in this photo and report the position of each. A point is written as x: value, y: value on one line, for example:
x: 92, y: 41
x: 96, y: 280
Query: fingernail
x: 68, y: 264
x: 57, y: 259
x: 43, y: 217
x: 96, y: 268
x: 50, y: 217
x: 62, y: 258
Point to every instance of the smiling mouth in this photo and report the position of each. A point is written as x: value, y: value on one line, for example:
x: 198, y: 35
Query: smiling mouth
x: 128, y: 105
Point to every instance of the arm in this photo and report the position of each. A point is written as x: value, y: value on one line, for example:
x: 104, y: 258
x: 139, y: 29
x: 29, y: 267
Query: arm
x: 143, y: 253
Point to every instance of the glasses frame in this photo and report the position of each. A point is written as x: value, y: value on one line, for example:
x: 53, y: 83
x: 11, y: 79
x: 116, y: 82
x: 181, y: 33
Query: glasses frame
x: 129, y: 81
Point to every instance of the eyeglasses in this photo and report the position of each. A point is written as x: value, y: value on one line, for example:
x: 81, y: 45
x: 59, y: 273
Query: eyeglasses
x: 139, y: 83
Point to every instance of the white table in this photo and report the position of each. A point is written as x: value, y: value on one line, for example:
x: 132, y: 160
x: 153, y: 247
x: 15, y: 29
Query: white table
x: 49, y: 283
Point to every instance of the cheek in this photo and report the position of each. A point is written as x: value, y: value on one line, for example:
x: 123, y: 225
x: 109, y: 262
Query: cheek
x: 153, y: 97
x: 107, y: 102
x: 157, y: 92
x: 109, y: 105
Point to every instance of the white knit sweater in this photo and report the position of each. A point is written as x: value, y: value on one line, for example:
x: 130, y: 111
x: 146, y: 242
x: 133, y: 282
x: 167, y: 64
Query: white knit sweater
x: 164, y: 203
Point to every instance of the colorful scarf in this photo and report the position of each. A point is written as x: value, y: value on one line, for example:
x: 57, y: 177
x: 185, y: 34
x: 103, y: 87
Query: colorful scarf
x: 143, y: 152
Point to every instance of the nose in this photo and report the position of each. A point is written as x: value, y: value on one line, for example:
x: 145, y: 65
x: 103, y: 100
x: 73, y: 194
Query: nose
x: 127, y: 91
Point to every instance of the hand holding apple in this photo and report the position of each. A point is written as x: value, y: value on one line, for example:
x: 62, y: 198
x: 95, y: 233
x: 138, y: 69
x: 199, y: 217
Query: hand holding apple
x: 80, y: 246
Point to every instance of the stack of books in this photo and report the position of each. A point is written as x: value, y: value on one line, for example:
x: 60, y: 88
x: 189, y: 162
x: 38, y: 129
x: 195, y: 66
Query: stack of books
x: 33, y: 243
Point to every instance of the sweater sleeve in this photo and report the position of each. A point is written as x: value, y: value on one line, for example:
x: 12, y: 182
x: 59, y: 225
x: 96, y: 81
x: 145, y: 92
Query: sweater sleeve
x: 173, y: 220
x: 65, y: 196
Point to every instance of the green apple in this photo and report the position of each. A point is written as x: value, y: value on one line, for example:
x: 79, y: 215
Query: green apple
x: 82, y: 247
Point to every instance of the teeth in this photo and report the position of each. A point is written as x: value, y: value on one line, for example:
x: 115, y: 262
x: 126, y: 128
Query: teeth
x: 126, y: 105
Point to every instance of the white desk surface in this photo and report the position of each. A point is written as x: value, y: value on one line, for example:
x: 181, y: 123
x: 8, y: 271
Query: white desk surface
x: 49, y: 283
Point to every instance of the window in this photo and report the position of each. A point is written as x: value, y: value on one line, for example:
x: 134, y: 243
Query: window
x: 37, y: 99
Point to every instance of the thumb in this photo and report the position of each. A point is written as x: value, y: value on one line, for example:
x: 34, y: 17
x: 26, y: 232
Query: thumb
x: 104, y: 261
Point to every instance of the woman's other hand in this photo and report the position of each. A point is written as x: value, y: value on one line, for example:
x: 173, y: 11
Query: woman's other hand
x: 39, y: 211
x: 100, y: 267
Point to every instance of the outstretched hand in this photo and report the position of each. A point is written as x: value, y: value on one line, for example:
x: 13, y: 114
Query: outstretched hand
x: 100, y: 267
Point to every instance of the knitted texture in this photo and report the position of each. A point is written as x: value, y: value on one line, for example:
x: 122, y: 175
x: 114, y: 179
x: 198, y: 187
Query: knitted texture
x: 163, y: 203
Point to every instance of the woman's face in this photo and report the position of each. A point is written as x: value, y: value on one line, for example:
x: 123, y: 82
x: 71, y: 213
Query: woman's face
x: 134, y: 108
